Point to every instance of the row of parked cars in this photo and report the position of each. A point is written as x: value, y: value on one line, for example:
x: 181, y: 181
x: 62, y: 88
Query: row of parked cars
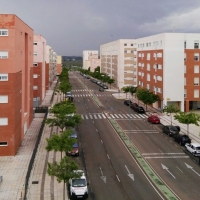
x: 170, y: 130
x: 134, y: 106
x: 102, y: 85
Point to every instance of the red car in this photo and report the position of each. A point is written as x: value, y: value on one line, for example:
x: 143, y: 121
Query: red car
x: 154, y: 119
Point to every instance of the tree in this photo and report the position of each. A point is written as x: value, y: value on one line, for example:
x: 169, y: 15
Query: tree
x: 146, y: 96
x: 62, y: 142
x: 170, y: 109
x: 111, y: 81
x: 188, y: 118
x: 63, y: 171
x: 63, y: 107
x: 132, y: 90
x: 63, y: 121
x: 126, y: 90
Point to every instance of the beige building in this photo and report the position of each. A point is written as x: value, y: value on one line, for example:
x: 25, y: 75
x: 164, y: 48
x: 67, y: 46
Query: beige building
x: 119, y: 61
x: 91, y: 59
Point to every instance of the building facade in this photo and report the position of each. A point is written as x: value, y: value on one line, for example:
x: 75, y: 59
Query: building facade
x: 39, y: 70
x: 59, y: 64
x: 91, y: 59
x: 119, y: 61
x: 16, y: 84
x: 168, y: 65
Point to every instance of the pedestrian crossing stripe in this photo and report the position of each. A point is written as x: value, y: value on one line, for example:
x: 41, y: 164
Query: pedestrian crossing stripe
x: 90, y: 95
x: 114, y: 116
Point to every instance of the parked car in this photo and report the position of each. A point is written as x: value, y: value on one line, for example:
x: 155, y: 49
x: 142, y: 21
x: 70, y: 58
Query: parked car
x: 127, y: 102
x: 105, y: 87
x: 170, y: 130
x: 101, y: 89
x: 74, y: 134
x: 78, y: 186
x: 193, y: 148
x: 182, y: 139
x: 74, y: 151
x: 154, y: 119
x: 139, y: 109
x: 133, y: 105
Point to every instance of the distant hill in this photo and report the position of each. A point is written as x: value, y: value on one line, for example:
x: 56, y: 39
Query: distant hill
x: 70, y: 58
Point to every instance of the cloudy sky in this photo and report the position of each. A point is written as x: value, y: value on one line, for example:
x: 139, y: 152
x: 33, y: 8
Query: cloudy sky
x: 71, y: 26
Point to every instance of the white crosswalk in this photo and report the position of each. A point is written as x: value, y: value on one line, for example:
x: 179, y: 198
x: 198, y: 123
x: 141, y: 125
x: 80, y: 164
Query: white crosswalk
x: 90, y: 95
x: 114, y: 116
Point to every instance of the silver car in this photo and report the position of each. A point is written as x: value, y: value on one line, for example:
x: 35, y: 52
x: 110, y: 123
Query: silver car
x: 193, y: 148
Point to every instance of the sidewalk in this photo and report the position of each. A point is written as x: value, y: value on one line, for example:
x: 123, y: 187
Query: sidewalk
x: 14, y: 168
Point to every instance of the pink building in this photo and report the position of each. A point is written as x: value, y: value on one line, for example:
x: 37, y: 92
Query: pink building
x: 16, y: 82
x: 39, y: 70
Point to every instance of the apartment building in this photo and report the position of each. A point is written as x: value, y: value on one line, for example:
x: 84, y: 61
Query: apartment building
x: 168, y: 65
x: 91, y: 59
x: 51, y: 66
x: 59, y: 64
x: 119, y: 61
x: 16, y: 83
x: 39, y: 70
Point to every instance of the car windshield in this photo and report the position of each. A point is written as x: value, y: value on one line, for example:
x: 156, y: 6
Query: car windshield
x: 78, y: 182
x: 173, y: 128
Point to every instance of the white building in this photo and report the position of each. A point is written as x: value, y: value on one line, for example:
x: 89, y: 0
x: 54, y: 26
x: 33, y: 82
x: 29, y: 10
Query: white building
x: 119, y: 61
x: 91, y: 59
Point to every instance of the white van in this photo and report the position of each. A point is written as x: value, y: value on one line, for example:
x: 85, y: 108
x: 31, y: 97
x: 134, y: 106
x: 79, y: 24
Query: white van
x: 78, y: 186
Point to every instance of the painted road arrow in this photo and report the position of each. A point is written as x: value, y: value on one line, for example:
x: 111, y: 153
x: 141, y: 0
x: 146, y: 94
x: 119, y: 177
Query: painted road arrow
x: 102, y: 176
x: 190, y: 167
x: 164, y: 167
x: 129, y: 174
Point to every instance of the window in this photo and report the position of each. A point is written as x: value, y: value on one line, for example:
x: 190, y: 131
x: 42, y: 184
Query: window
x: 3, y: 144
x: 159, y: 55
x: 132, y: 51
x: 3, y: 32
x: 196, y: 81
x: 3, y: 77
x: 125, y: 51
x: 148, y: 77
x: 196, y: 45
x: 131, y: 44
x: 196, y: 69
x: 35, y: 43
x: 196, y: 93
x: 35, y: 64
x: 148, y: 56
x: 196, y: 56
x: 125, y: 44
x: 3, y: 121
x: 148, y: 67
x: 3, y: 98
x: 35, y: 53
x: 3, y: 54
x: 185, y: 93
x: 185, y: 44
x: 35, y: 87
x: 185, y: 56
x: 35, y: 76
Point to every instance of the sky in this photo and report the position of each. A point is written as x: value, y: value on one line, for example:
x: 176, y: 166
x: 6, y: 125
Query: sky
x: 72, y: 26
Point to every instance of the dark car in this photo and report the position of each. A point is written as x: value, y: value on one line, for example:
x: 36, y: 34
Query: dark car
x: 101, y: 89
x: 134, y: 105
x: 139, y: 109
x: 128, y: 102
x: 182, y: 139
x: 154, y: 119
x: 170, y: 130
x: 74, y: 151
x: 105, y: 87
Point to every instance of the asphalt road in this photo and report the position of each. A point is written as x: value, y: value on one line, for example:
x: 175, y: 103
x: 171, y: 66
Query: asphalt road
x: 112, y: 171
